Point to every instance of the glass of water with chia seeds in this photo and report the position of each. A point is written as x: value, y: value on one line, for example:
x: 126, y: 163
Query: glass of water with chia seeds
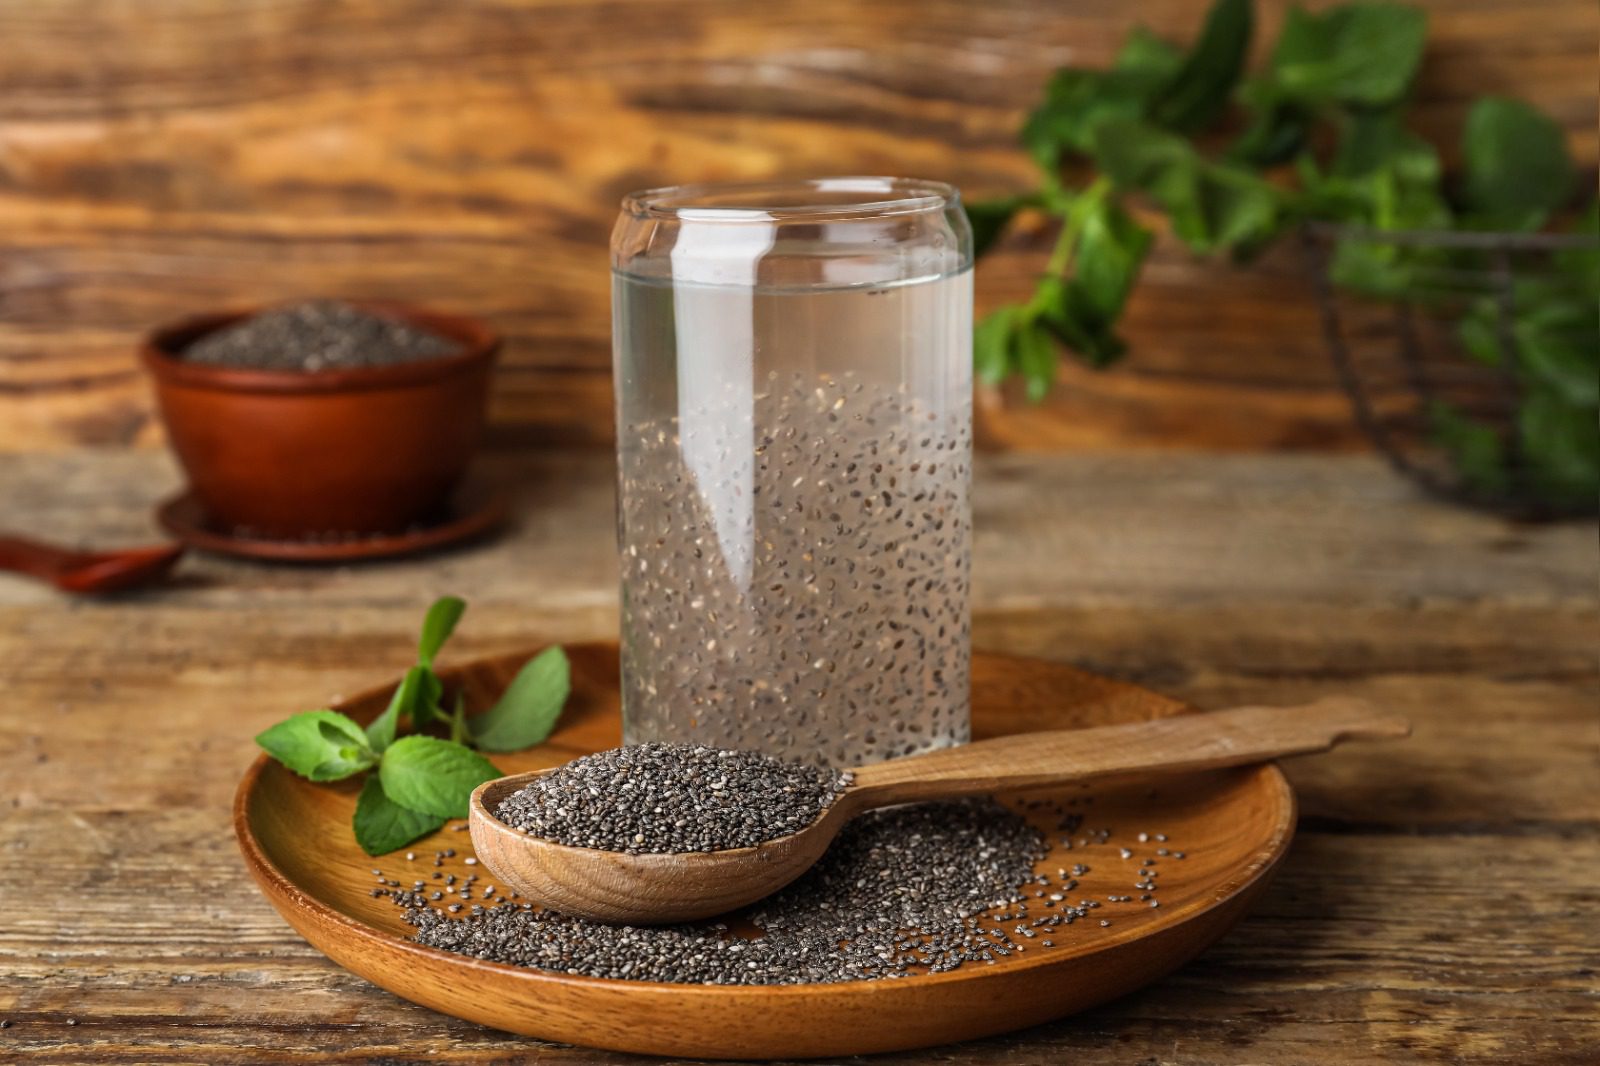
x: 794, y: 434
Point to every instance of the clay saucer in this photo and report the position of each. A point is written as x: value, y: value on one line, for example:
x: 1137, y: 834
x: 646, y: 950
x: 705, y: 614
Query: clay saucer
x: 473, y: 511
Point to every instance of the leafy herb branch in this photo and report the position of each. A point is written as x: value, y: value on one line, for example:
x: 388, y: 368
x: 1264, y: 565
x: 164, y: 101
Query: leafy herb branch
x: 420, y: 781
x: 1233, y: 160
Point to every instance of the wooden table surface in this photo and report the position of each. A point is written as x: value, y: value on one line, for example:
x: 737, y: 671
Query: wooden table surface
x: 1441, y: 903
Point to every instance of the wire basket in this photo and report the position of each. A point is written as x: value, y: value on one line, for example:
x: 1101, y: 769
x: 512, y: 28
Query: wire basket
x: 1471, y: 360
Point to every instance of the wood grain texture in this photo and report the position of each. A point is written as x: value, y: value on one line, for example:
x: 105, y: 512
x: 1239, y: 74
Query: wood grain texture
x: 165, y: 158
x: 1437, y: 906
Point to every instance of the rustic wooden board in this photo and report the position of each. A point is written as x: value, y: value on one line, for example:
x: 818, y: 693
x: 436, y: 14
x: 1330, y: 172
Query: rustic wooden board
x: 160, y: 159
x: 1437, y: 906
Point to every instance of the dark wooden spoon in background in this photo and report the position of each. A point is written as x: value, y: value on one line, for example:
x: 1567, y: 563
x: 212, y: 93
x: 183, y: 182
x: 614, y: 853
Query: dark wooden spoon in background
x: 87, y: 572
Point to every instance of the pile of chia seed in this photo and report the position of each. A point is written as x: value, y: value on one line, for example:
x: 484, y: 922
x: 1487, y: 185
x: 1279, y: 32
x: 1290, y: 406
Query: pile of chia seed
x: 899, y: 890
x: 671, y: 798
x: 923, y: 888
x: 317, y: 336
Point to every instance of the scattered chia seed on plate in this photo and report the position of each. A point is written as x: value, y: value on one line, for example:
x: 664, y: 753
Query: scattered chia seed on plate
x: 900, y: 890
x: 912, y: 889
x: 672, y: 798
x: 316, y: 336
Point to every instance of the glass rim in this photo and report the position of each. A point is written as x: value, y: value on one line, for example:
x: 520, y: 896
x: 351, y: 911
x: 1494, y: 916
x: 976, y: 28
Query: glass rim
x: 782, y: 201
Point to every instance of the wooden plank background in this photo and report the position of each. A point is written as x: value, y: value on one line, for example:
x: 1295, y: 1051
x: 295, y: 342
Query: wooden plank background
x: 167, y: 156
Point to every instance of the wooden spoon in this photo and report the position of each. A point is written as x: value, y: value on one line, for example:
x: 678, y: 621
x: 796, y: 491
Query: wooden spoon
x: 614, y: 886
x: 87, y: 572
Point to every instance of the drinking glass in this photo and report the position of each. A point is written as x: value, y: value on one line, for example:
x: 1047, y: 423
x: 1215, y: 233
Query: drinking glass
x: 794, y: 438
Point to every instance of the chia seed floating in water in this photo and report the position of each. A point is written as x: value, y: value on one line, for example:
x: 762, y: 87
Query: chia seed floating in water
x: 671, y: 798
x: 796, y: 569
x: 317, y: 336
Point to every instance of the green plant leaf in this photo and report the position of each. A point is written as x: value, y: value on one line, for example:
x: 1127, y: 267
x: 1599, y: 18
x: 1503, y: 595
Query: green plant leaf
x: 1277, y: 130
x: 1111, y: 252
x: 1580, y: 267
x: 1558, y: 344
x: 1561, y: 447
x: 459, y: 732
x: 1358, y: 54
x: 1475, y: 449
x: 433, y: 776
x: 1198, y: 91
x: 425, y: 710
x: 1076, y: 102
x: 991, y: 345
x: 1148, y: 56
x: 1555, y: 334
x: 415, y: 697
x: 1212, y: 205
x: 1035, y: 355
x: 1082, y: 311
x: 319, y: 745
x: 528, y: 709
x: 1517, y: 168
x: 989, y: 219
x: 437, y: 626
x: 381, y: 825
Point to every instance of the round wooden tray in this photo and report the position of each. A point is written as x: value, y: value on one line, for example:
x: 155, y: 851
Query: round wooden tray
x: 1233, y: 827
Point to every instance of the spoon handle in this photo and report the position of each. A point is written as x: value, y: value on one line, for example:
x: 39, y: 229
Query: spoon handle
x: 1186, y: 742
x: 32, y: 557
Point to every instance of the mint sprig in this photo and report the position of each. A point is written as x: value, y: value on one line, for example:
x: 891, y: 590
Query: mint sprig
x: 1235, y: 160
x: 420, y: 780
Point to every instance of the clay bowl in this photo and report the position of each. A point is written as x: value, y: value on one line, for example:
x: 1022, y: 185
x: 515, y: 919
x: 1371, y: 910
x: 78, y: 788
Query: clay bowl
x: 288, y: 454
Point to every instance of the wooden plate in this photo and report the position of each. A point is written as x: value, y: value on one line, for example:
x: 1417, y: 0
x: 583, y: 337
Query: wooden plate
x: 1232, y: 826
x: 474, y: 511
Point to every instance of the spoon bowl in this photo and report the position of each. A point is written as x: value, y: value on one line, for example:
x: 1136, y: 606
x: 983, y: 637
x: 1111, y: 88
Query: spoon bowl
x: 651, y: 888
x: 646, y: 888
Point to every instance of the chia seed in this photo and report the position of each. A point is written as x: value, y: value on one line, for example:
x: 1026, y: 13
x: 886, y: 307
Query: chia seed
x: 899, y: 891
x: 317, y: 336
x: 671, y: 798
x: 796, y: 570
x: 913, y: 889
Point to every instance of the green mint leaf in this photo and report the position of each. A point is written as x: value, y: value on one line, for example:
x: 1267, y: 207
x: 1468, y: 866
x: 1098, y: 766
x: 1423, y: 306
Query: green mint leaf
x: 319, y: 745
x: 437, y: 626
x: 1580, y: 267
x: 1517, y: 168
x: 430, y: 690
x: 414, y: 697
x: 1212, y: 205
x: 529, y: 707
x: 459, y: 732
x: 1198, y: 91
x: 1149, y: 56
x: 1555, y: 337
x: 1111, y: 250
x: 1076, y: 103
x: 382, y: 825
x: 1278, y: 127
x: 1374, y: 142
x: 1560, y: 447
x: 433, y: 776
x: 1364, y: 55
x: 989, y: 219
x: 1035, y: 355
x: 991, y: 345
x: 1474, y: 448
